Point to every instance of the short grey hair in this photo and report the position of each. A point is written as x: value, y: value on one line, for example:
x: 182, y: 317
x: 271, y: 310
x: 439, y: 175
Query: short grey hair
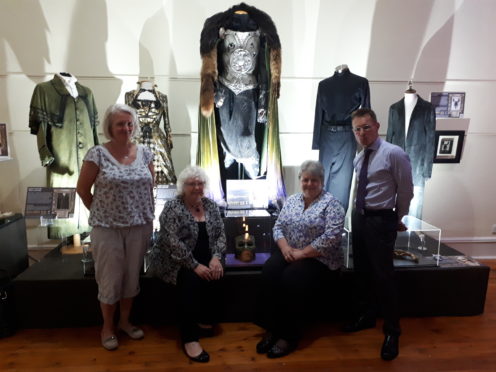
x: 114, y: 109
x: 313, y: 167
x: 191, y: 171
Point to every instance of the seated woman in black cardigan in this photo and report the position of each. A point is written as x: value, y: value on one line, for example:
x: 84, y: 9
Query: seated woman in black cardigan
x: 190, y: 254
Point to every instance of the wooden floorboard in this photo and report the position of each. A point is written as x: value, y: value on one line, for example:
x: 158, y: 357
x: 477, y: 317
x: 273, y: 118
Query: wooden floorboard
x: 444, y: 344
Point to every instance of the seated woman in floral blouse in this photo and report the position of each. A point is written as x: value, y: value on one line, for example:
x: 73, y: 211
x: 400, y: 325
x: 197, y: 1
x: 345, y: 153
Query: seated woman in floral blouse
x: 308, y: 235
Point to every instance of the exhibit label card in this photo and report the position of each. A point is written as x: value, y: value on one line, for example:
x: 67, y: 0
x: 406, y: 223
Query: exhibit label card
x: 50, y: 202
x: 448, y: 104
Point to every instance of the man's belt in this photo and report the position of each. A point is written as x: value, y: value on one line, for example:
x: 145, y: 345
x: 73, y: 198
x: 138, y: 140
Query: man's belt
x: 337, y: 123
x: 339, y: 128
x: 376, y: 212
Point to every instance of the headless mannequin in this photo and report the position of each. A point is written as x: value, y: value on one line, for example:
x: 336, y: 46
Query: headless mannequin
x: 411, y: 99
x: 70, y: 84
x: 337, y: 97
x: 147, y: 93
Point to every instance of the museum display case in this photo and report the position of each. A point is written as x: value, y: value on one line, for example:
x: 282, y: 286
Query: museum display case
x: 419, y: 246
x: 249, y: 239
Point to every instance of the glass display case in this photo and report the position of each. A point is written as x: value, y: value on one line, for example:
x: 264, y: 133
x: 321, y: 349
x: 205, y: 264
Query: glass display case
x: 249, y: 240
x: 345, y: 245
x: 416, y: 247
x: 419, y: 245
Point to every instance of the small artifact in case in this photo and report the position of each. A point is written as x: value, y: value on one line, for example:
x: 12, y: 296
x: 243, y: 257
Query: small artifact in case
x: 245, y: 247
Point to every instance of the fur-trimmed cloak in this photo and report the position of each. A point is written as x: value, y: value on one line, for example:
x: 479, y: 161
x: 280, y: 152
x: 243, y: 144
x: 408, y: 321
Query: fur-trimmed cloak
x: 208, y: 151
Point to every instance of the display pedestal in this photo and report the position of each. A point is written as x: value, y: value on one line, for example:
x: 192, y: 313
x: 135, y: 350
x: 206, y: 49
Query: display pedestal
x: 55, y: 293
x: 13, y: 245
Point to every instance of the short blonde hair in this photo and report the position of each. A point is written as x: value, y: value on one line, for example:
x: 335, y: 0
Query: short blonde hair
x: 114, y: 109
x: 191, y: 171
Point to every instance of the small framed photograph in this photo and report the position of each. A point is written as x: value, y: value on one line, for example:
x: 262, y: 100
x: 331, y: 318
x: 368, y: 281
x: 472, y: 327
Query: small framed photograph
x: 449, y: 146
x: 4, y: 146
x: 456, y: 104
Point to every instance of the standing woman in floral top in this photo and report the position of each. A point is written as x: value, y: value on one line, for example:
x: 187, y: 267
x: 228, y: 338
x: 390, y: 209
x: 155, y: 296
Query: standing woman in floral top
x: 308, y: 235
x: 121, y: 214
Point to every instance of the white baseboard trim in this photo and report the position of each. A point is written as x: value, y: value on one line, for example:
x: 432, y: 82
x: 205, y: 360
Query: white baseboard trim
x: 470, y: 239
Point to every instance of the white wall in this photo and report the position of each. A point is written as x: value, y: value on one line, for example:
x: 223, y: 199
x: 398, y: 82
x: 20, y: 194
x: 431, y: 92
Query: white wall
x: 443, y: 45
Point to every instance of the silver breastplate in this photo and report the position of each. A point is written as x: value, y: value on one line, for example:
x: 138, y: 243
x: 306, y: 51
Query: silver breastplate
x: 240, y: 60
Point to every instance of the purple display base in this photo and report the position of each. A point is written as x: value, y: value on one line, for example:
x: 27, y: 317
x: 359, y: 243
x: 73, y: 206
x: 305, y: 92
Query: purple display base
x: 259, y: 260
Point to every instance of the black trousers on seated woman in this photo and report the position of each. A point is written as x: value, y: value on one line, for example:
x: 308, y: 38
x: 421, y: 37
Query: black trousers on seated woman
x: 198, y: 298
x: 288, y: 294
x: 197, y: 303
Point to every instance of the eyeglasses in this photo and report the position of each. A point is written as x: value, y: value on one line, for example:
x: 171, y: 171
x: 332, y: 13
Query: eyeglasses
x: 195, y: 184
x: 365, y: 128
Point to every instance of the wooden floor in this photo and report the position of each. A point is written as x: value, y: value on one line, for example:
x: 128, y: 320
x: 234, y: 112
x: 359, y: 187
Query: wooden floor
x: 427, y: 344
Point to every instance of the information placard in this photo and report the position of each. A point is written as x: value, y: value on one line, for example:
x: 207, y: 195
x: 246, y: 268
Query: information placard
x: 50, y: 202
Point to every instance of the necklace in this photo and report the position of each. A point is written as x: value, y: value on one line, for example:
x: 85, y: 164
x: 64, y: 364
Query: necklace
x: 196, y: 207
x: 128, y: 152
x: 117, y: 150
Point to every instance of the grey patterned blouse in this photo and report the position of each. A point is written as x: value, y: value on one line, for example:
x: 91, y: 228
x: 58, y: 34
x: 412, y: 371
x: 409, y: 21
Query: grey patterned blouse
x: 123, y: 194
x: 178, y: 235
x: 320, y: 225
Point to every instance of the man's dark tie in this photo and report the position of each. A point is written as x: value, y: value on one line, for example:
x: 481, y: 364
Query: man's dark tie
x: 362, y: 182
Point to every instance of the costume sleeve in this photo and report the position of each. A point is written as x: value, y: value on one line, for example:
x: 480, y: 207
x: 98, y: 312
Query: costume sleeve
x: 430, y: 137
x: 330, y: 240
x: 366, y: 95
x: 167, y: 128
x: 402, y: 173
x: 390, y: 130
x: 263, y: 83
x: 94, y: 119
x: 38, y: 124
x: 171, y: 225
x: 46, y: 155
x: 317, y: 121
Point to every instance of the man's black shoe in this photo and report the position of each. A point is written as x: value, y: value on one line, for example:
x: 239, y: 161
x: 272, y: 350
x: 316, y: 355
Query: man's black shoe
x: 359, y: 324
x: 268, y: 340
x: 390, y: 347
x: 281, y: 348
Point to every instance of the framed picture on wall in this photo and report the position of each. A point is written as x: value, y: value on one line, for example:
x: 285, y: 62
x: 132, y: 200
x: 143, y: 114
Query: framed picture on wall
x: 4, y: 146
x: 449, y: 145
